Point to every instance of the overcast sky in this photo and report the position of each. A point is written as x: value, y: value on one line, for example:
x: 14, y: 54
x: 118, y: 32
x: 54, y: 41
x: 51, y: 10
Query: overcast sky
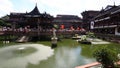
x: 54, y: 7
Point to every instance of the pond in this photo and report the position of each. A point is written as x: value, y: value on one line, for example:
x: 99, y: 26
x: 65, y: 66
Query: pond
x: 41, y: 56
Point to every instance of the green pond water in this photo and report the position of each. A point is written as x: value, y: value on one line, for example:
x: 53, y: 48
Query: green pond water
x: 68, y: 54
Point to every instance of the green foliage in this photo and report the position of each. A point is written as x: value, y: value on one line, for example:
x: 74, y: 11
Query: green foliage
x: 56, y: 26
x: 106, y: 56
x: 83, y: 38
x: 2, y: 23
x: 90, y: 34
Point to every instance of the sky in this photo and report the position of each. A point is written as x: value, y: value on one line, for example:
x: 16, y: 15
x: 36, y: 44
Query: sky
x: 54, y: 7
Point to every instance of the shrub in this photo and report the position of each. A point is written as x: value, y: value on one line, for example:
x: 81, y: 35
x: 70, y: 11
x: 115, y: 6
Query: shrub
x: 106, y: 56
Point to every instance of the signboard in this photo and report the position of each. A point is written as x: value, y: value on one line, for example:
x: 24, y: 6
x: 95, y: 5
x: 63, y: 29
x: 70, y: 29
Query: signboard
x: 92, y: 25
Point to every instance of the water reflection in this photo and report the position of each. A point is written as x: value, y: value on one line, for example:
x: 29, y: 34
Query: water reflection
x: 8, y: 58
x: 45, y: 57
x: 53, y: 46
x: 64, y: 57
x: 69, y: 57
x: 87, y: 51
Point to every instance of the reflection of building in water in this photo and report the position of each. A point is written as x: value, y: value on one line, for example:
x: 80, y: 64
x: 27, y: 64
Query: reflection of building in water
x: 68, y: 21
x: 107, y: 22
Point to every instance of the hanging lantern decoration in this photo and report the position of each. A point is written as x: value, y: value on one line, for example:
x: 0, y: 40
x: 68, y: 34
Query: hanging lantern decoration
x: 62, y: 27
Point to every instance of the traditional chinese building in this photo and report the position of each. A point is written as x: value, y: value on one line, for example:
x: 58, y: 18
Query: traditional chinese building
x: 87, y: 17
x: 107, y: 22
x: 68, y: 21
x: 33, y: 20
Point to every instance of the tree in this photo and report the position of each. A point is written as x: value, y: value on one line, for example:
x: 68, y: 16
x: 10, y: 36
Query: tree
x: 2, y: 23
x: 106, y: 56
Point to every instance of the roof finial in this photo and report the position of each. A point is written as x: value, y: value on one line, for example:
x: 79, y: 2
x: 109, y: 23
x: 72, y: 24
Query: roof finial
x: 102, y: 8
x: 114, y: 3
x: 36, y: 4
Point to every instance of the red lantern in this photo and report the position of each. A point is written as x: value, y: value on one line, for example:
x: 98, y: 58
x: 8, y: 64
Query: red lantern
x: 62, y: 27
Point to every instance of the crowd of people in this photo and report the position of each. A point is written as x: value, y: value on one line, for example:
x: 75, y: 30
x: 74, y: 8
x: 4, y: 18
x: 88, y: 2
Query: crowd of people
x: 28, y: 29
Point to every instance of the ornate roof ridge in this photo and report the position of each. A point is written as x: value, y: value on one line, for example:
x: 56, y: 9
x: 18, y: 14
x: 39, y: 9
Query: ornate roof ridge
x: 35, y: 11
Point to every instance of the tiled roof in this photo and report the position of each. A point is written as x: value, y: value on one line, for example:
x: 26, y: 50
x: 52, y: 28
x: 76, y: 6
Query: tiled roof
x: 67, y: 18
x: 35, y: 11
x: 108, y: 10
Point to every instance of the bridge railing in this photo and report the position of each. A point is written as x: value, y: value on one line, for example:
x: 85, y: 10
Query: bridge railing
x: 42, y: 32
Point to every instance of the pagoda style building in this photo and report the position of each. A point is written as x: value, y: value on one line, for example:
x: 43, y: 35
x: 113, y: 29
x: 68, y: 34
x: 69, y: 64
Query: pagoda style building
x: 32, y: 20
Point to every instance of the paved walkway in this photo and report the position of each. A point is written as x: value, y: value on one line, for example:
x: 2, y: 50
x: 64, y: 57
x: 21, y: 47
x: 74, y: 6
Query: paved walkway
x: 89, y: 65
x: 92, y: 64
